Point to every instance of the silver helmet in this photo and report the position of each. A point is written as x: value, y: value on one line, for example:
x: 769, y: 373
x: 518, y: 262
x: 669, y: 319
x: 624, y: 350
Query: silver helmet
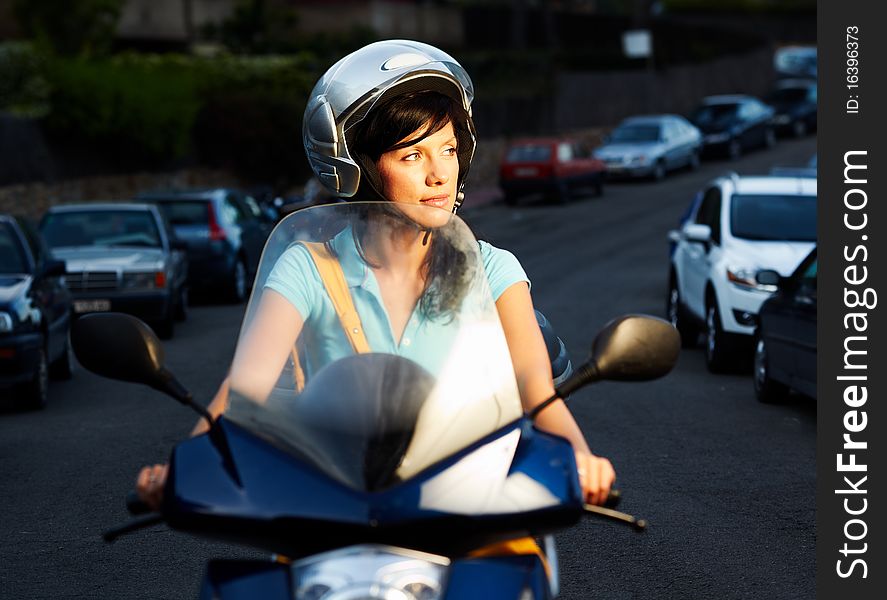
x: 350, y: 89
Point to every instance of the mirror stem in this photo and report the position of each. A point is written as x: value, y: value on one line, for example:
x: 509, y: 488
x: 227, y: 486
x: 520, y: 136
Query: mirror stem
x: 171, y: 386
x: 583, y: 375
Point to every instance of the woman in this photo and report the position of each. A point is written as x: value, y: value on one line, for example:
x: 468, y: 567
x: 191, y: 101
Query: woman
x: 392, y: 122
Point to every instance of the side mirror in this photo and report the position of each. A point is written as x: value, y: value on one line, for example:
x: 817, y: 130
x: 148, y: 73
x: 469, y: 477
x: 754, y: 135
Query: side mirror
x: 54, y: 268
x: 629, y: 348
x: 696, y: 232
x: 768, y: 277
x: 122, y: 347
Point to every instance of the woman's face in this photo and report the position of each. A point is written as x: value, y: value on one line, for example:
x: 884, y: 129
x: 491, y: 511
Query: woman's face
x: 424, y: 173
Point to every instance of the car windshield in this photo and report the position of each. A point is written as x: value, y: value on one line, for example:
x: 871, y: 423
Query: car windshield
x: 635, y: 133
x: 788, y: 94
x: 714, y: 113
x: 101, y: 228
x: 373, y: 419
x: 12, y: 256
x: 528, y: 153
x: 773, y: 217
x: 185, y: 212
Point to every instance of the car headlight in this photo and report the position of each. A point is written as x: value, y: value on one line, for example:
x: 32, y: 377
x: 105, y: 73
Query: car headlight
x: 745, y: 278
x: 6, y: 322
x: 143, y: 280
x: 370, y: 572
x: 640, y: 159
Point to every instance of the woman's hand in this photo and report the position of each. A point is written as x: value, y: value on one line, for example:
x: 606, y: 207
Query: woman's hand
x: 596, y: 476
x: 149, y: 485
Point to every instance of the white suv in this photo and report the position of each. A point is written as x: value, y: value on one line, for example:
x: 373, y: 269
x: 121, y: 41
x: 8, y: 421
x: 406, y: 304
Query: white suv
x: 736, y: 227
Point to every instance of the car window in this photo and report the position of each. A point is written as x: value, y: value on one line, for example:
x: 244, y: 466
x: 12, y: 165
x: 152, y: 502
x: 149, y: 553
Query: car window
x: 581, y: 150
x: 185, y: 212
x: 635, y: 133
x: 710, y: 213
x: 232, y: 212
x: 714, y: 113
x: 253, y: 207
x: 101, y: 228
x: 773, y: 217
x: 564, y: 152
x: 529, y: 153
x: 35, y: 244
x: 12, y: 255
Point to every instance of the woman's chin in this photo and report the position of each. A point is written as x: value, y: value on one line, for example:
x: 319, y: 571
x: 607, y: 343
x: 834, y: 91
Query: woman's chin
x: 427, y: 215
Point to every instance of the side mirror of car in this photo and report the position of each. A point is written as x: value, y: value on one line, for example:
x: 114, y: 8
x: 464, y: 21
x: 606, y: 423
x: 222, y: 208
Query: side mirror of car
x: 697, y: 232
x: 769, y: 277
x: 54, y: 268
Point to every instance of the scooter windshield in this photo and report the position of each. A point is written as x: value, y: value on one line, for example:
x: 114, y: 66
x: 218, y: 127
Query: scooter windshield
x: 434, y: 373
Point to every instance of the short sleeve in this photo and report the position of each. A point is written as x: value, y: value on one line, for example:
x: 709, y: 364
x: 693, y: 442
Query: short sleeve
x: 295, y: 277
x: 502, y: 268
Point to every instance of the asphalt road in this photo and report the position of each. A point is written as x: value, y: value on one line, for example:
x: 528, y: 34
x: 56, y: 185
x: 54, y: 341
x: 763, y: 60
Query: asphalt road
x: 726, y: 484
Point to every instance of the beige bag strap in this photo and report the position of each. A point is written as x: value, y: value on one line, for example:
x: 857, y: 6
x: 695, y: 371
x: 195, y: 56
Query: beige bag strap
x: 337, y: 289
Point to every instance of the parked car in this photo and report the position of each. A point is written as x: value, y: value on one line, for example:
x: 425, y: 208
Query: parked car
x: 796, y: 61
x: 794, y: 102
x: 225, y: 232
x: 742, y: 225
x: 555, y: 167
x: 650, y: 146
x: 785, y: 339
x: 121, y: 257
x: 733, y: 124
x: 35, y: 314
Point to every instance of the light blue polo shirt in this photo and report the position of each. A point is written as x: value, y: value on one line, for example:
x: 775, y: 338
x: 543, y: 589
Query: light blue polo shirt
x: 425, y: 341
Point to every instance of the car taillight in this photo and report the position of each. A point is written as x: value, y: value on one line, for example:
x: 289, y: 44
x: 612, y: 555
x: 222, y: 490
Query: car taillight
x: 159, y: 279
x: 216, y: 233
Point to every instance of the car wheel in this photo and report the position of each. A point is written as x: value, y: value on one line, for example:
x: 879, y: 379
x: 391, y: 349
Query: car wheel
x: 767, y: 390
x: 719, y: 351
x: 562, y: 193
x: 63, y: 366
x: 734, y: 149
x: 509, y: 198
x: 165, y: 328
x: 694, y: 161
x: 769, y: 138
x: 182, y: 304
x: 659, y: 171
x: 677, y: 316
x: 598, y: 187
x: 35, y: 394
x: 799, y: 128
x: 238, y: 282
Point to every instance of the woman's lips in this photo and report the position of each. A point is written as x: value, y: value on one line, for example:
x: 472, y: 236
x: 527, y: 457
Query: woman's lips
x: 437, y: 201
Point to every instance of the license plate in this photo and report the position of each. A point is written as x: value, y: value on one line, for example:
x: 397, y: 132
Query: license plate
x: 84, y: 306
x: 526, y: 172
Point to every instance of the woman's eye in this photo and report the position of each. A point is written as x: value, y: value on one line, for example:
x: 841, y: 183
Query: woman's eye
x: 451, y: 151
x: 411, y: 156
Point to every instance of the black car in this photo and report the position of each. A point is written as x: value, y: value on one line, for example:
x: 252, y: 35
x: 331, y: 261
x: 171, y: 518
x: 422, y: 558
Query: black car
x: 35, y: 314
x: 785, y: 339
x: 794, y: 101
x: 733, y: 124
x: 225, y: 232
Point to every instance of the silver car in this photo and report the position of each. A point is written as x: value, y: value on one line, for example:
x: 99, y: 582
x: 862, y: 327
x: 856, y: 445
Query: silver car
x: 121, y: 257
x: 650, y: 146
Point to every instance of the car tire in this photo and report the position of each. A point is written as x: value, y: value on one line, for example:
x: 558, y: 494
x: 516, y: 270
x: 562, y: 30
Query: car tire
x: 678, y: 317
x: 182, y: 304
x: 34, y: 395
x: 238, y: 284
x: 767, y: 390
x: 165, y: 328
x: 769, y: 138
x: 62, y: 368
x: 659, y: 171
x: 734, y: 149
x: 695, y: 161
x: 719, y: 346
x: 562, y: 194
x: 510, y: 199
x: 799, y: 128
x: 598, y: 186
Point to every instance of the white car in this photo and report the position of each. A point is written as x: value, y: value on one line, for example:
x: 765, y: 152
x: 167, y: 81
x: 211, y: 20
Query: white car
x: 736, y: 227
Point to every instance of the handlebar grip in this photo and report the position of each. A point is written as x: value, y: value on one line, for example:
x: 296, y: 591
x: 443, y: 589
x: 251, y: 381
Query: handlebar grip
x: 613, y: 499
x: 135, y: 505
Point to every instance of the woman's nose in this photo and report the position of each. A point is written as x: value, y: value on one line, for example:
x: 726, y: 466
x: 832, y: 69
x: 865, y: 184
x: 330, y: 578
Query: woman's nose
x: 437, y: 175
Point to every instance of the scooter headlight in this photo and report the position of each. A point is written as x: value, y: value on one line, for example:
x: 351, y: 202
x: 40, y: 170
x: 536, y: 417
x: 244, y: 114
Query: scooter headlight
x: 370, y: 572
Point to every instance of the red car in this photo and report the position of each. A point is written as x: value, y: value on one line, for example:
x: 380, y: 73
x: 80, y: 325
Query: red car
x: 553, y: 166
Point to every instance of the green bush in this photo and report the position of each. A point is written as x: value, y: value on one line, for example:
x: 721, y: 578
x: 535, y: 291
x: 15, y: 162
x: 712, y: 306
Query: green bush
x: 24, y: 87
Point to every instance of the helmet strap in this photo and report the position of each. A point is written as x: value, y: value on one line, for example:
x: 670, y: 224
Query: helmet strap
x: 460, y: 197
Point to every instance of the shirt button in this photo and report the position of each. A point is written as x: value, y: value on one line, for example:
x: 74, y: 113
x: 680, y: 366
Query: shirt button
x: 406, y: 341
